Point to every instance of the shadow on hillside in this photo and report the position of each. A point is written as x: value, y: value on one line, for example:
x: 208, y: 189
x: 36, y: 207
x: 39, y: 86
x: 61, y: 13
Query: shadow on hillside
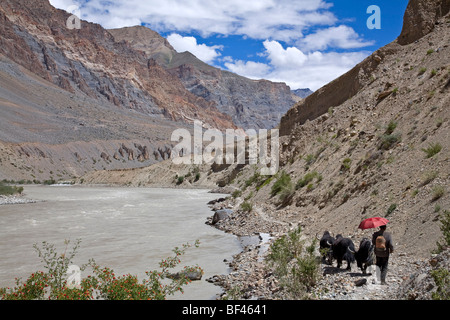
x: 336, y: 270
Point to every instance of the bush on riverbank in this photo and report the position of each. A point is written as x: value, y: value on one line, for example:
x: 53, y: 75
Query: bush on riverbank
x: 294, y: 264
x: 56, y: 284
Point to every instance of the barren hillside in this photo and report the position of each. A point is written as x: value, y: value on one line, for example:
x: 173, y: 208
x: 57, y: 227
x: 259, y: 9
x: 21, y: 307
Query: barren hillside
x: 382, y: 151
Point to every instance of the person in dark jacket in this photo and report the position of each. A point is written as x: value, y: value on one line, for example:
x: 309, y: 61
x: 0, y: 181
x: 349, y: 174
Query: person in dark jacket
x: 382, y: 240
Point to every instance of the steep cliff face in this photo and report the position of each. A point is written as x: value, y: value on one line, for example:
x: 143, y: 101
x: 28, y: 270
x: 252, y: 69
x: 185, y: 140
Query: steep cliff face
x: 250, y: 103
x: 420, y: 19
x: 88, y: 60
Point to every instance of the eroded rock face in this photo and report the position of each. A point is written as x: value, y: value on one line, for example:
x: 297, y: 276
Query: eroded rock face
x: 252, y: 104
x: 90, y: 61
x: 420, y: 19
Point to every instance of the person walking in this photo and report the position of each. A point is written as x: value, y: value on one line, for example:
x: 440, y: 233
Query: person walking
x: 382, y: 241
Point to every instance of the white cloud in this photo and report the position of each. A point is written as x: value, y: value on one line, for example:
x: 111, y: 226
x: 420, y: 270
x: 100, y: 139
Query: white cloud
x: 63, y: 4
x: 249, y: 69
x: 283, y: 20
x: 301, y: 64
x: 203, y: 52
x: 299, y: 70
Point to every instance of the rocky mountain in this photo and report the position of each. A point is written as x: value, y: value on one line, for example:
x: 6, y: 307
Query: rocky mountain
x: 374, y: 142
x: 47, y: 132
x: 76, y: 100
x: 302, y: 93
x: 250, y: 103
x: 89, y: 61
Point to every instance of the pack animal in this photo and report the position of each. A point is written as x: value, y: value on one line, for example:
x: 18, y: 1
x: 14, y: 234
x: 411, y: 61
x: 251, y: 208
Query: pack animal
x: 365, y: 257
x: 343, y: 249
x: 326, y: 244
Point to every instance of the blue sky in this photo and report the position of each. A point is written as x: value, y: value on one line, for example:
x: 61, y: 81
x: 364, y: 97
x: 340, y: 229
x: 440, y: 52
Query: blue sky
x: 304, y: 43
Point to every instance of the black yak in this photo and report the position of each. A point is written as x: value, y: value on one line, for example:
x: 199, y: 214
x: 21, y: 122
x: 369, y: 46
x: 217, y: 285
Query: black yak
x: 343, y: 249
x: 365, y: 256
x: 326, y: 243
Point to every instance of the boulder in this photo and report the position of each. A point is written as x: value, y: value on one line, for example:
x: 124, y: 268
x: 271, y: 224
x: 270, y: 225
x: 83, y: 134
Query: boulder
x: 221, y: 215
x: 191, y: 275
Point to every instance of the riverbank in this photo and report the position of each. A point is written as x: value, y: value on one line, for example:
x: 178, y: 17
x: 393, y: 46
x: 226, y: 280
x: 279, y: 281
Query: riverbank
x: 127, y: 229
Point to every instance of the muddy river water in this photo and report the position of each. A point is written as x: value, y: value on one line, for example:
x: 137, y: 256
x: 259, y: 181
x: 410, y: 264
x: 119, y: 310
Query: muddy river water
x: 127, y: 229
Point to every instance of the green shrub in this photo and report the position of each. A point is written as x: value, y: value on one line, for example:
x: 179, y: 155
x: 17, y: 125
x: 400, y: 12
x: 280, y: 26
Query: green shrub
x: 389, y: 140
x: 49, y: 181
x: 445, y: 228
x: 432, y: 150
x: 308, y: 178
x: 438, y: 192
x: 441, y: 277
x: 392, y: 125
x: 253, y: 179
x: 9, y: 190
x: 246, y: 206
x: 310, y: 159
x: 280, y: 184
x: 422, y: 71
x: 180, y: 180
x: 428, y: 177
x: 296, y: 269
x: 283, y: 187
x: 236, y: 194
x: 391, y: 209
x: 264, y: 182
x: 346, y: 164
x: 287, y: 192
x: 283, y: 250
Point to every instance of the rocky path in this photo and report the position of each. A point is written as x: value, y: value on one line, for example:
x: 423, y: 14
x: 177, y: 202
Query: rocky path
x: 343, y: 285
x: 408, y: 276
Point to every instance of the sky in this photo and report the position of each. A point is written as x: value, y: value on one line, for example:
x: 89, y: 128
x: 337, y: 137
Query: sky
x: 304, y: 43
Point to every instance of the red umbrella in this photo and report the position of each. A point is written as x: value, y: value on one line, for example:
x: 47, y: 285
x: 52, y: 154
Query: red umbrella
x: 373, y: 223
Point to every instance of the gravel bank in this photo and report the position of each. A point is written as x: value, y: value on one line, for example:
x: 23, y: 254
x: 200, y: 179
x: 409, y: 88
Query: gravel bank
x: 15, y: 199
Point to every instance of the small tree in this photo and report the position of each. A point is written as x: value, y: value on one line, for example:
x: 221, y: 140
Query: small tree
x: 104, y: 284
x: 283, y: 187
x: 296, y: 270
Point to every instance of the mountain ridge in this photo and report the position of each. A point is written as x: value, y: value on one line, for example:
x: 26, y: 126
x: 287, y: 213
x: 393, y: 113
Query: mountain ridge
x: 252, y: 104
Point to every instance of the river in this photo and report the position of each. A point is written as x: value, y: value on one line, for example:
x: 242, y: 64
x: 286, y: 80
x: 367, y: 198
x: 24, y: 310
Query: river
x: 127, y: 229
